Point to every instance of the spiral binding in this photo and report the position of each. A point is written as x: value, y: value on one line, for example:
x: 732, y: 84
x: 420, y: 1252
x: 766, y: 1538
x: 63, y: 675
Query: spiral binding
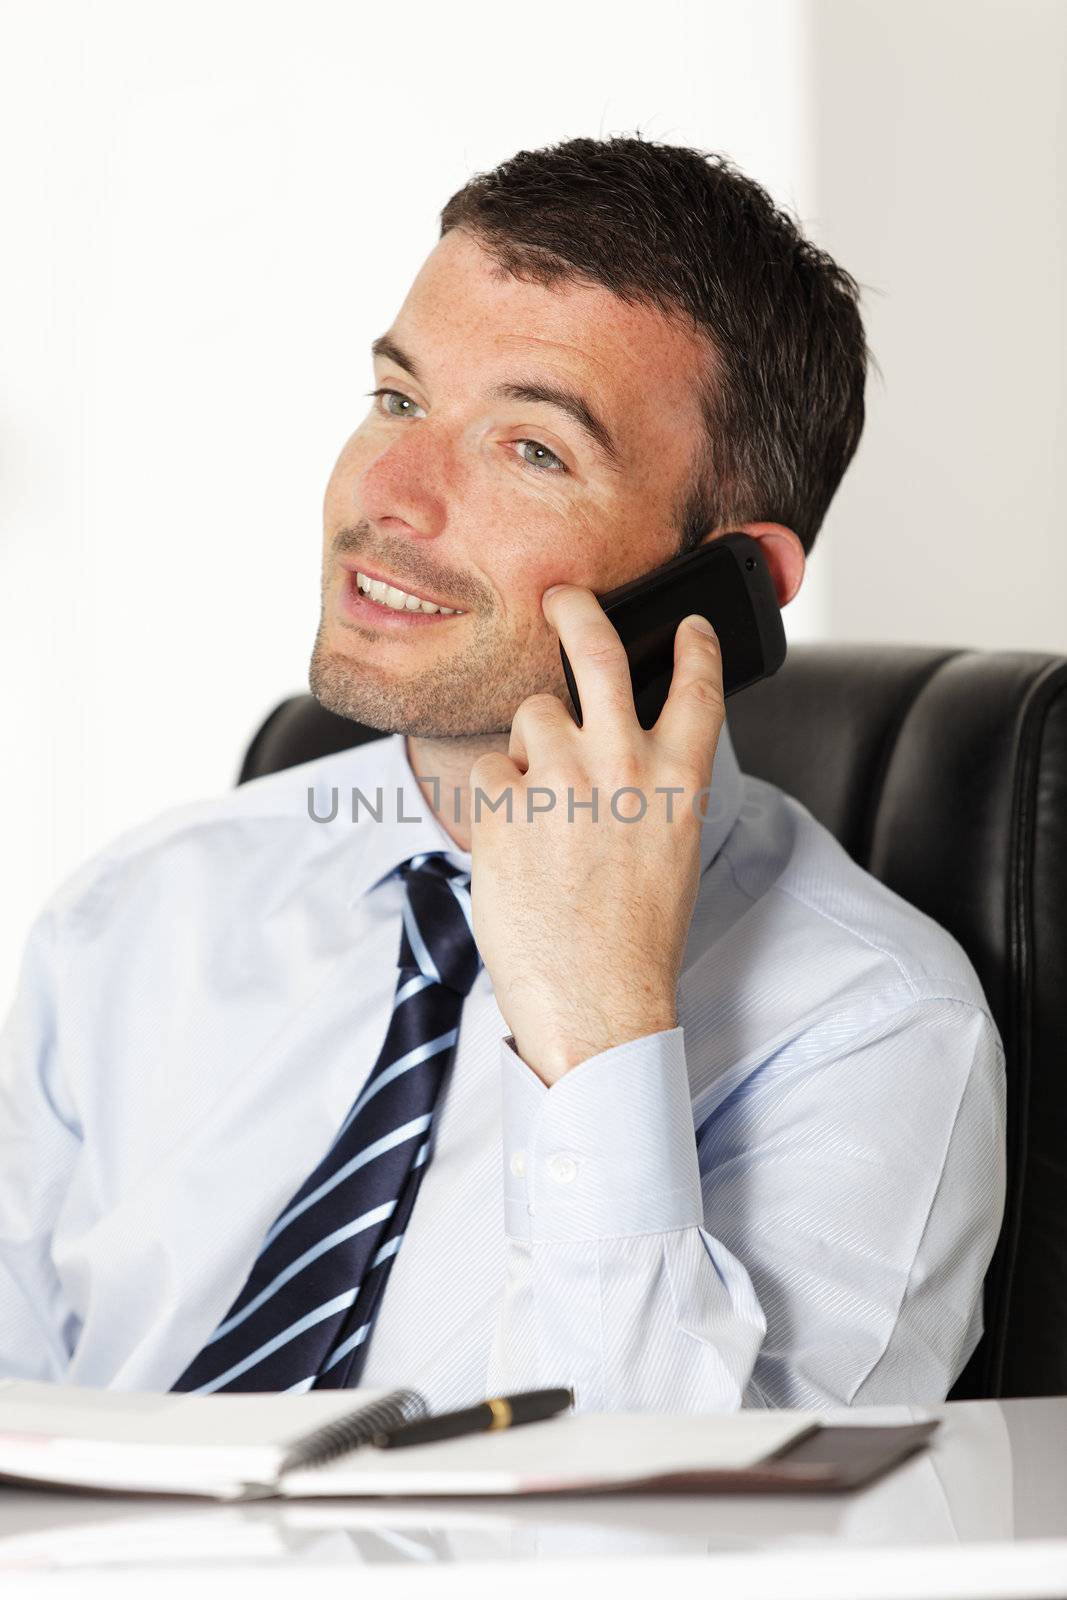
x: 348, y: 1433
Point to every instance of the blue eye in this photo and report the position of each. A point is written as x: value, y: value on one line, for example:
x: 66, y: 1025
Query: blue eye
x: 386, y: 394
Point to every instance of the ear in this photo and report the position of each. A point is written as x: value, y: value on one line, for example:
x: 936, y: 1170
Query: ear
x: 782, y: 551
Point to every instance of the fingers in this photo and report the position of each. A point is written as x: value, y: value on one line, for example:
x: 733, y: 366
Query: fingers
x: 539, y: 724
x: 492, y: 773
x: 596, y: 654
x: 695, y: 709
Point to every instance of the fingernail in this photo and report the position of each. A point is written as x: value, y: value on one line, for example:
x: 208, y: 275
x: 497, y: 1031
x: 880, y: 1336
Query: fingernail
x: 700, y: 624
x: 552, y: 590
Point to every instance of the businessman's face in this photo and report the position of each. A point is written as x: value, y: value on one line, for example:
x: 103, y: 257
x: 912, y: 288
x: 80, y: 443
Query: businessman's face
x: 463, y: 493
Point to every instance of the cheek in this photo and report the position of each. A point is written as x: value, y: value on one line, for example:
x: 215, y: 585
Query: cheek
x: 544, y: 545
x: 554, y: 535
x: 338, y: 492
x: 597, y: 549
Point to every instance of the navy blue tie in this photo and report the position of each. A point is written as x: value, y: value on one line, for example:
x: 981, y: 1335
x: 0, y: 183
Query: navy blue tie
x: 304, y: 1318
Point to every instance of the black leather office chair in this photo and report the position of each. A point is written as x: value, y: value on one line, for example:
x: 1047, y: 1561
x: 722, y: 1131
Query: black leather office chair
x: 943, y: 772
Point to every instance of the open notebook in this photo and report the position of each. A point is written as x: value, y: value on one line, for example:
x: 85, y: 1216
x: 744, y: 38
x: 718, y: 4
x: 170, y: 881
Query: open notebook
x: 233, y: 1446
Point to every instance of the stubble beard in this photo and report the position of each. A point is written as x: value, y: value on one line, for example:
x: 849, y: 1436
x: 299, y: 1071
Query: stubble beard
x: 475, y: 693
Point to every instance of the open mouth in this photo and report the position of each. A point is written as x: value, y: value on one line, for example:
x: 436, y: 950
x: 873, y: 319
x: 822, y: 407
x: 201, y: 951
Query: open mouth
x: 368, y: 599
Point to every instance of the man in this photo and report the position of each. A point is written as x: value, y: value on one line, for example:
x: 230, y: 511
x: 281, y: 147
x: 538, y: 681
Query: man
x: 684, y: 1110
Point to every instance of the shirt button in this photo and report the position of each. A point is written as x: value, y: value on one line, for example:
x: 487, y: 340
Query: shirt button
x: 518, y: 1164
x: 563, y: 1168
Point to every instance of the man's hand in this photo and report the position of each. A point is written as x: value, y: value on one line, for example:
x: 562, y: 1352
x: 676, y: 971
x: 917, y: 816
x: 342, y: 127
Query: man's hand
x: 582, y: 923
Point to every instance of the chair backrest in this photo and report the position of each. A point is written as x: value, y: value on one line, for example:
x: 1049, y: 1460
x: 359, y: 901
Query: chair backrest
x: 943, y: 772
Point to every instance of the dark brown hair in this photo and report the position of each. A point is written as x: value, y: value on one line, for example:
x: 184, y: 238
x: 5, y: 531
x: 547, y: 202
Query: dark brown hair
x: 686, y: 232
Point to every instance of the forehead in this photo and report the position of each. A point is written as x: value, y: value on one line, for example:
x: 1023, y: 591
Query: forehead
x: 632, y: 357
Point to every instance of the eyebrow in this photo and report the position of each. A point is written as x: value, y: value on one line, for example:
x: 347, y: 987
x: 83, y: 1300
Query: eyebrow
x: 550, y: 394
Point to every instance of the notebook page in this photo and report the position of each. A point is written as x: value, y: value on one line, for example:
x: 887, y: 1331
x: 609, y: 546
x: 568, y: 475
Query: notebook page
x: 180, y: 1443
x: 567, y: 1452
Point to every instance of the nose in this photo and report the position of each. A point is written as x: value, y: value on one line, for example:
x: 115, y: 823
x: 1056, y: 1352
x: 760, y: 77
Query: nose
x: 410, y: 482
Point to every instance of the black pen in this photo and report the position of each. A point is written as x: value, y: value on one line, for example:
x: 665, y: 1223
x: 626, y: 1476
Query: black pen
x: 509, y: 1411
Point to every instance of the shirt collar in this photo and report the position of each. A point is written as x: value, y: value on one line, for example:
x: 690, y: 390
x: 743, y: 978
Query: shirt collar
x: 409, y: 827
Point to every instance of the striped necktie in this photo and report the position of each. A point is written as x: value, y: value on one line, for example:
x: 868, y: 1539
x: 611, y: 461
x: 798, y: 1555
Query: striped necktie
x: 304, y: 1317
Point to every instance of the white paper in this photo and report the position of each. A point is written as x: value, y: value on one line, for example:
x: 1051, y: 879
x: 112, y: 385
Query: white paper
x: 179, y: 1443
x: 219, y: 1444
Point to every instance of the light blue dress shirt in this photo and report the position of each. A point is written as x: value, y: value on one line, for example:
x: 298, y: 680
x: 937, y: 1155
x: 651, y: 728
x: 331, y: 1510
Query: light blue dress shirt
x: 790, y: 1199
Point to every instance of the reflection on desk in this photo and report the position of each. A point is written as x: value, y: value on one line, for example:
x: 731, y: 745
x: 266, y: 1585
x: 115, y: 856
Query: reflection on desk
x: 996, y: 1473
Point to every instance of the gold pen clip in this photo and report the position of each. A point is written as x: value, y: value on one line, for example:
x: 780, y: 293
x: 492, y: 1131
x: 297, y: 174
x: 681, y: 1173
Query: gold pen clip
x: 501, y: 1414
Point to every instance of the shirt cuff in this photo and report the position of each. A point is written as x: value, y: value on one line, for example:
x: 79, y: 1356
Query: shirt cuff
x: 607, y: 1150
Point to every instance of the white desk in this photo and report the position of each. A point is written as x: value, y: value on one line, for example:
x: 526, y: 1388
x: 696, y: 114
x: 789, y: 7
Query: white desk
x: 981, y: 1513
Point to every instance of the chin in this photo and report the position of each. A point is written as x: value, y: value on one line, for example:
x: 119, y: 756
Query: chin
x: 473, y: 695
x: 340, y: 689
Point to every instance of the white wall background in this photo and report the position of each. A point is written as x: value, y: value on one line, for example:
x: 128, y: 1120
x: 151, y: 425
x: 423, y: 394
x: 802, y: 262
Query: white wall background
x: 939, y: 140
x: 208, y: 210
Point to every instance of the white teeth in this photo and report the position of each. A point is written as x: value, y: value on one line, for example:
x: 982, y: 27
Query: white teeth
x: 387, y: 594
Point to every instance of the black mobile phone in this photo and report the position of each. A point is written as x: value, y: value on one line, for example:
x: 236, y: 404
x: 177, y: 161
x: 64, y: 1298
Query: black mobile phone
x: 727, y: 581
